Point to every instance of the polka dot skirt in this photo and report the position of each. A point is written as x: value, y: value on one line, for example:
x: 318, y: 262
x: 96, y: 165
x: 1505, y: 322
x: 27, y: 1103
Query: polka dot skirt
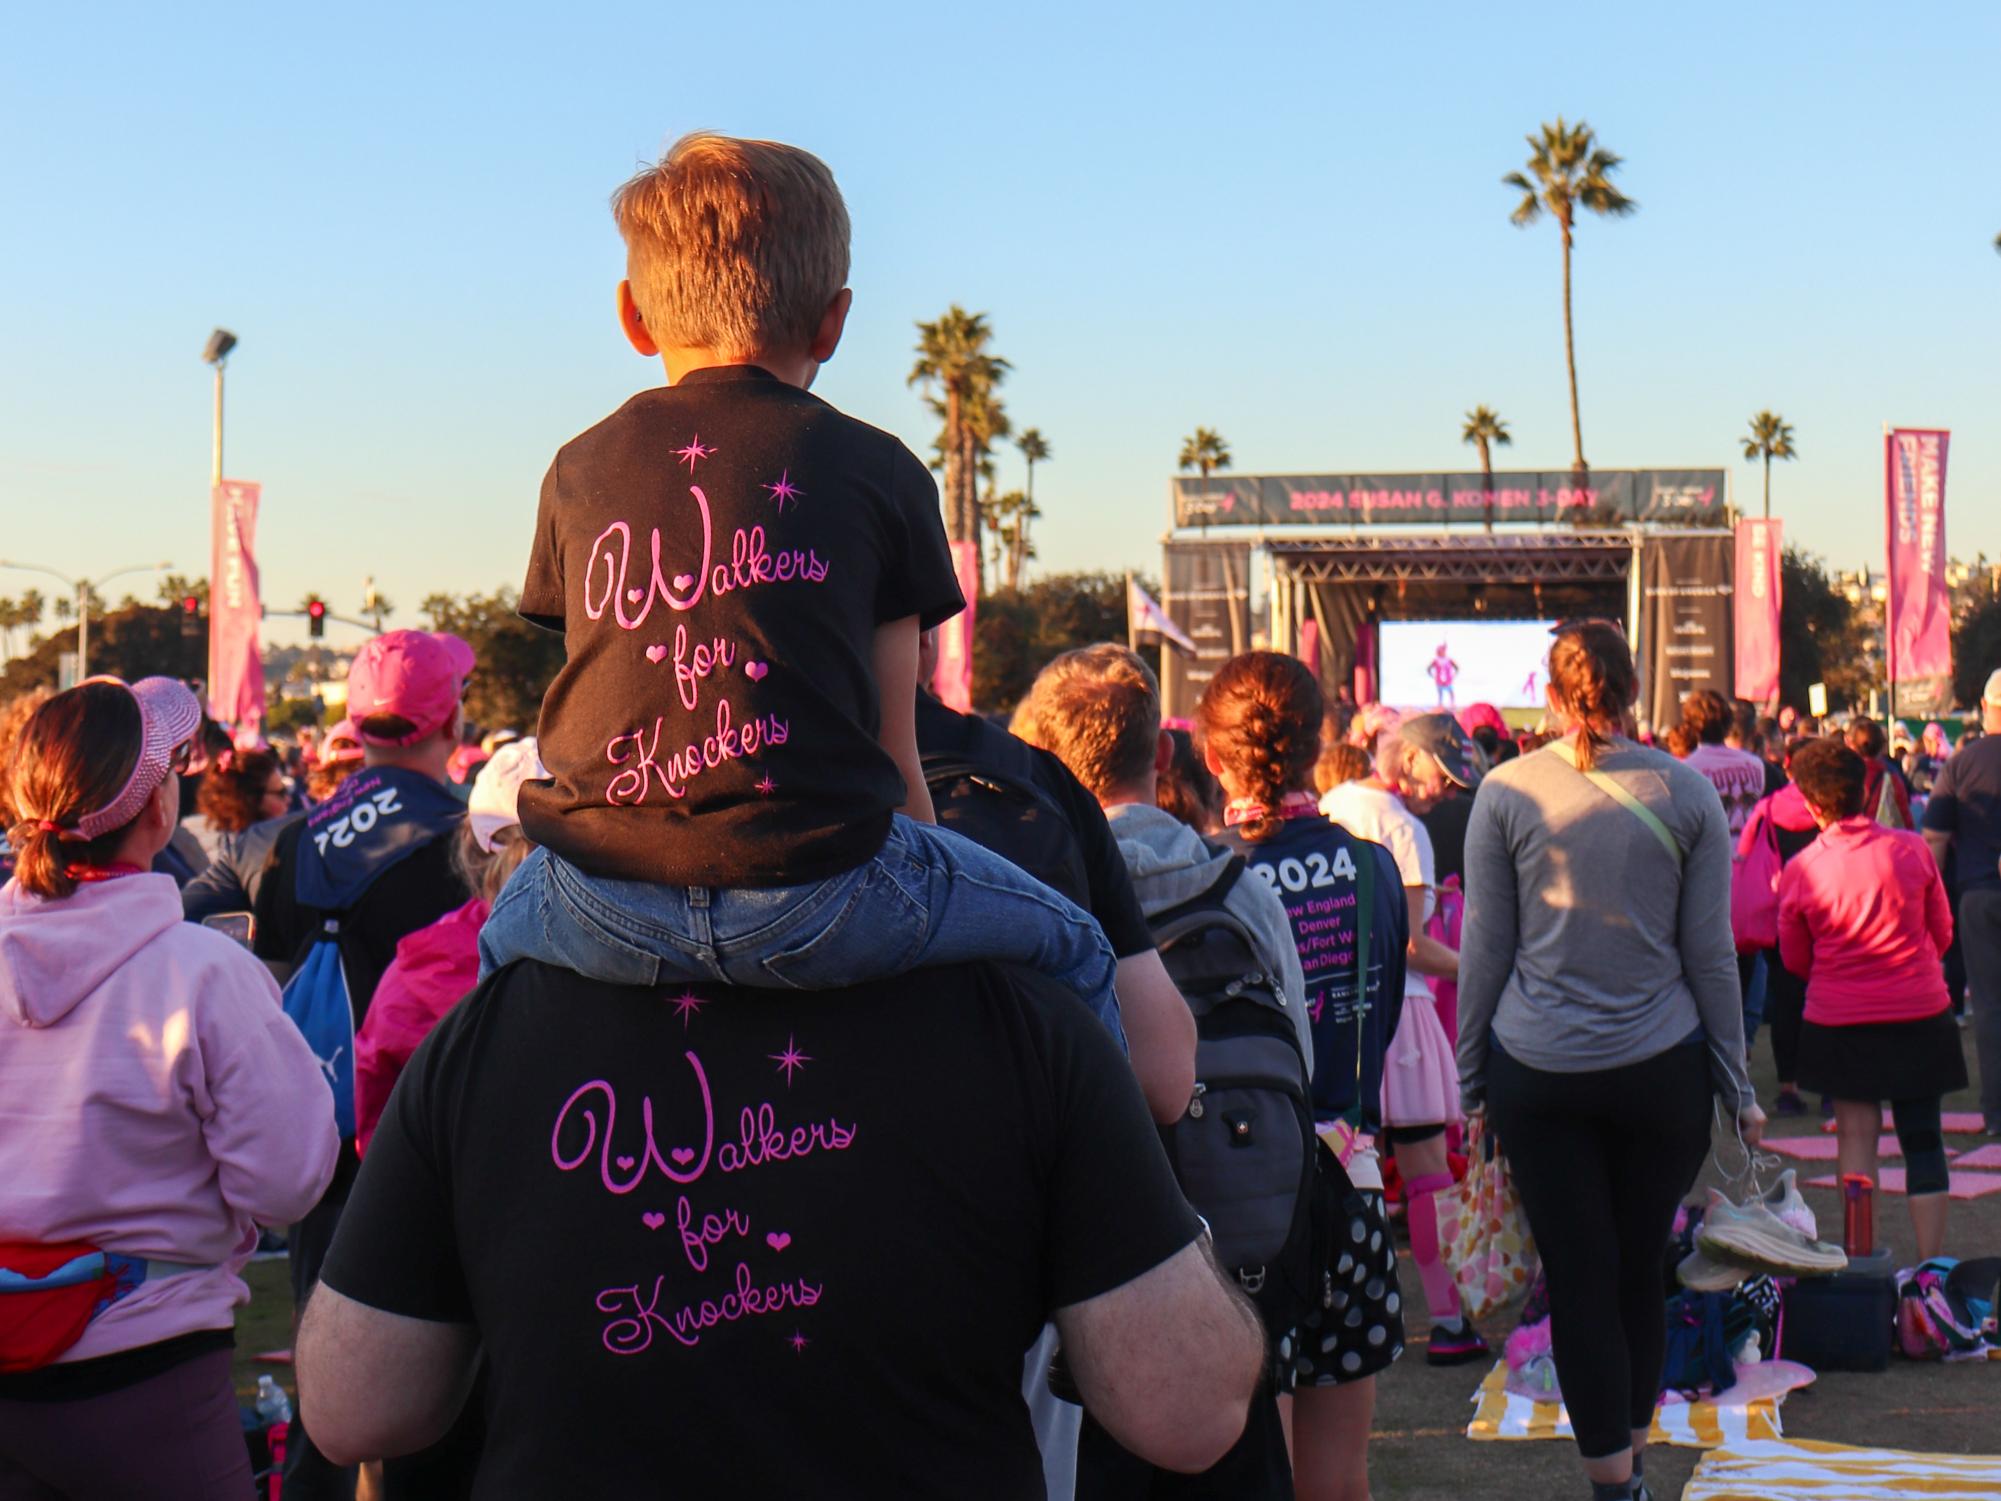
x: 1361, y: 1331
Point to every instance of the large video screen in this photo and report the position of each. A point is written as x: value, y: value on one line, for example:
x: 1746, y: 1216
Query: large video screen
x: 1448, y: 664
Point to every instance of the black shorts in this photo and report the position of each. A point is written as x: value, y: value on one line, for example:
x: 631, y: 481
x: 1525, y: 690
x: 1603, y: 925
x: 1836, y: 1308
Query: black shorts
x: 1360, y: 1332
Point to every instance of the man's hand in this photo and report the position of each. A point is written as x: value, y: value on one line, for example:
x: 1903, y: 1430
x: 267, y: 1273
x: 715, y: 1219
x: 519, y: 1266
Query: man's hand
x: 1751, y: 1124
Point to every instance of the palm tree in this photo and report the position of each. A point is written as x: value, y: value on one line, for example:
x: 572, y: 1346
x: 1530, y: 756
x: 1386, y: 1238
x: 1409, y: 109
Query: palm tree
x: 1486, y: 430
x: 952, y: 359
x: 1206, y: 450
x: 1771, y: 438
x: 1570, y: 171
x: 1035, y: 450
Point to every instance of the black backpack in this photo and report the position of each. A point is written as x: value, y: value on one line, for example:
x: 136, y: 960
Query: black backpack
x: 1244, y: 1153
x: 1010, y: 816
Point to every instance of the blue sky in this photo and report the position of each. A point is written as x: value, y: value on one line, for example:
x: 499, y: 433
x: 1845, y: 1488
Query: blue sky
x: 1283, y: 222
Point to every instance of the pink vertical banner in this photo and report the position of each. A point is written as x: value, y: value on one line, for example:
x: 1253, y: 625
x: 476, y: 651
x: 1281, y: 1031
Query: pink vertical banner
x: 1309, y: 645
x: 235, y: 612
x: 954, y: 681
x: 1919, y: 617
x: 1757, y: 602
x: 1365, y: 662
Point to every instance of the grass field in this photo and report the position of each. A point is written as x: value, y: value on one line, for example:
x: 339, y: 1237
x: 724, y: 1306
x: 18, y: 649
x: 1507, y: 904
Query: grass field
x: 1420, y: 1452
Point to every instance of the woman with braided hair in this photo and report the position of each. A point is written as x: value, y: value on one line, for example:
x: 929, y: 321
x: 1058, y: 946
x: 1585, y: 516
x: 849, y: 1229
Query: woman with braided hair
x: 159, y: 1107
x: 1260, y: 721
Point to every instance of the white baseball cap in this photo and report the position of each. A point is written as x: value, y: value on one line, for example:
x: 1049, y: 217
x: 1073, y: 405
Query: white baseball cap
x: 497, y: 789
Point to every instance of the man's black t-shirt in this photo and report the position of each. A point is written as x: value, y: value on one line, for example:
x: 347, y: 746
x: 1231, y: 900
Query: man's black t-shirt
x: 1966, y: 803
x: 718, y: 555
x: 1446, y: 824
x: 730, y: 1243
x: 1313, y: 866
x: 943, y: 731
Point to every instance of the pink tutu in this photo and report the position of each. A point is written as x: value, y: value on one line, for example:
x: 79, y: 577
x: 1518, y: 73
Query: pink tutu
x: 1420, y: 1073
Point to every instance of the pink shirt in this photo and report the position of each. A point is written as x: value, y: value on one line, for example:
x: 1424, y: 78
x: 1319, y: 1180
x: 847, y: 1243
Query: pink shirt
x: 154, y: 1100
x: 1863, y: 915
x: 1738, y: 777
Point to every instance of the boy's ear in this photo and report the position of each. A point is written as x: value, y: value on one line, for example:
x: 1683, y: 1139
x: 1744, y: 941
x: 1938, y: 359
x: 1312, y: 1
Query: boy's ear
x: 827, y: 338
x: 633, y: 324
x: 1163, y: 753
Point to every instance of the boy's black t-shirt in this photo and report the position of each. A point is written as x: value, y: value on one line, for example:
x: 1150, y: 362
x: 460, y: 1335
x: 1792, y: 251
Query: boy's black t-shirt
x: 1312, y: 865
x: 730, y: 1243
x: 718, y: 555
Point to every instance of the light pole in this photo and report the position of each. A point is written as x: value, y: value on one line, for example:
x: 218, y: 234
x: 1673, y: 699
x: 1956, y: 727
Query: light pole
x: 217, y: 354
x: 83, y: 589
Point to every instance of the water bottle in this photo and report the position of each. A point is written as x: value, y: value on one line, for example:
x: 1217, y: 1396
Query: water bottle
x: 1858, y: 1221
x: 273, y: 1406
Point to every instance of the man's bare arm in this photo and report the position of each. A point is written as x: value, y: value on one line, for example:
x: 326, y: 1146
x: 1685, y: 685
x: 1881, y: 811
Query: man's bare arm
x: 1939, y: 842
x: 373, y: 1385
x: 1160, y: 1034
x: 1168, y: 1362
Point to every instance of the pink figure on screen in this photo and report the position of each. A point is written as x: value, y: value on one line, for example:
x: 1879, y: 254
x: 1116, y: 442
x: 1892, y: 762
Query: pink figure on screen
x: 1443, y: 671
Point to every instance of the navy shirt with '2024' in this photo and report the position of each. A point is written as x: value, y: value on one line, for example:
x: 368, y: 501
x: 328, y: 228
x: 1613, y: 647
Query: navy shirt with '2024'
x: 1313, y: 866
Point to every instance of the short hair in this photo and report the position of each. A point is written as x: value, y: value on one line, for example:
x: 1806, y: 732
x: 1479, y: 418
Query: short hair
x: 1339, y: 762
x: 1708, y: 713
x: 1865, y: 737
x: 1097, y: 710
x: 733, y: 245
x: 1831, y: 777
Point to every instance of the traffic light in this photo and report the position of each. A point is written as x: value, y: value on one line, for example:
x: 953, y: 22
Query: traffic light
x: 190, y: 604
x: 316, y: 618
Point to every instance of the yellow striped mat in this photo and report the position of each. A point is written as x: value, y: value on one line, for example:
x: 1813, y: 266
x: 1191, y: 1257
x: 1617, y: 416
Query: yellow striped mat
x: 1834, y: 1472
x: 1500, y: 1414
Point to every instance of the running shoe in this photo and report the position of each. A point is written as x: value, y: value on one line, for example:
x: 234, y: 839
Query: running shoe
x: 1789, y: 1104
x: 1753, y: 1234
x: 1700, y: 1272
x: 1458, y: 1346
x: 1784, y: 1201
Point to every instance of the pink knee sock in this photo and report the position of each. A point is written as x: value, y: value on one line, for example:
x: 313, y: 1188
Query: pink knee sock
x: 1421, y: 1216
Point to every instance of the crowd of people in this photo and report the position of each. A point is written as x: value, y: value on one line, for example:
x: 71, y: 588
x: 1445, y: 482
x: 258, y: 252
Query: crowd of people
x: 768, y: 1080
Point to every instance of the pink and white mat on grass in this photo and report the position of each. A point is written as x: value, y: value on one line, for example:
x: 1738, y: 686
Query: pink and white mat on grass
x: 1963, y: 1122
x: 1963, y: 1185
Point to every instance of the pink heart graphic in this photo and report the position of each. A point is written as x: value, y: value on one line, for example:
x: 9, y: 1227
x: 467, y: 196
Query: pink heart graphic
x: 653, y: 1219
x: 682, y: 1156
x: 778, y: 1240
x: 655, y: 652
x: 624, y: 1164
x: 683, y: 582
x: 755, y: 671
x: 634, y: 596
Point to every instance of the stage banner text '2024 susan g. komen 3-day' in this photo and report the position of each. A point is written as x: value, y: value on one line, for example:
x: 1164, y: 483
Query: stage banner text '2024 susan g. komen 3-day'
x: 1610, y: 497
x: 1920, y: 603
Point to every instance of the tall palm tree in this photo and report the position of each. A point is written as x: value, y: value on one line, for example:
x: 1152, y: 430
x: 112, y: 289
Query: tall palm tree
x: 1486, y: 430
x: 1568, y: 170
x: 1035, y: 450
x: 1771, y: 437
x: 953, y: 361
x: 1206, y: 450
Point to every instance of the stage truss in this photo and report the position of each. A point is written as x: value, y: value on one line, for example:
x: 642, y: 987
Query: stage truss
x: 1581, y: 557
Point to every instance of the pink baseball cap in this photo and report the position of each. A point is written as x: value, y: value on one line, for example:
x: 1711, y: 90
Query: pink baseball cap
x: 169, y: 715
x: 416, y: 675
x: 340, y: 745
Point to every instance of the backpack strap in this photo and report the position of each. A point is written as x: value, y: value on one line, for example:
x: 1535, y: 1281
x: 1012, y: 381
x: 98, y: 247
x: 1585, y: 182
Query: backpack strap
x: 1214, y: 895
x: 1610, y: 786
x: 1365, y: 915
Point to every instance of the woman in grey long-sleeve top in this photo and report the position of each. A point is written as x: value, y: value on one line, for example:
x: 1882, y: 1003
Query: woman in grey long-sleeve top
x: 1598, y: 1011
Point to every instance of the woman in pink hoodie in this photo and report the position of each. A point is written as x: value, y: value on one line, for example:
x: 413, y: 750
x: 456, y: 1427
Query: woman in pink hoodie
x: 1863, y: 916
x: 1785, y: 823
x: 155, y: 1107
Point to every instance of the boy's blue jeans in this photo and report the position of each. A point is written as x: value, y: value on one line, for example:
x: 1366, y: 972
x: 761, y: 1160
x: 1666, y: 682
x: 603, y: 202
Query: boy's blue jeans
x: 927, y: 897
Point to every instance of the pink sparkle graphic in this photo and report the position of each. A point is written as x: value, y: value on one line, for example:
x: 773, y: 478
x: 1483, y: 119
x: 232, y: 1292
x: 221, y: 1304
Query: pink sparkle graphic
x: 791, y: 1060
x: 785, y: 491
x: 798, y: 1342
x: 765, y: 785
x: 687, y: 1006
x: 692, y: 452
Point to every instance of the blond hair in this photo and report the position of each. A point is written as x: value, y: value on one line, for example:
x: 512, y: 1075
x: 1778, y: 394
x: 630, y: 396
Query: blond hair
x: 734, y: 246
x: 1097, y: 710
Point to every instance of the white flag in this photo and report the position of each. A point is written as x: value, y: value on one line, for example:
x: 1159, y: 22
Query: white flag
x: 1147, y: 618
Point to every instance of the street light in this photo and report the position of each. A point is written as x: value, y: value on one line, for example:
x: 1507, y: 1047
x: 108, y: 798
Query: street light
x: 217, y: 354
x: 83, y: 589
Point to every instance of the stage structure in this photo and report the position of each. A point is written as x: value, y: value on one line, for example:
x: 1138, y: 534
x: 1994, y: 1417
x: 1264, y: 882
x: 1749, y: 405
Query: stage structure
x: 1315, y: 565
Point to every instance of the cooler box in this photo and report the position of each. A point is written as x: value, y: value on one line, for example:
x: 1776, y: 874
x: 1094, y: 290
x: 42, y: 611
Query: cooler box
x: 1843, y: 1322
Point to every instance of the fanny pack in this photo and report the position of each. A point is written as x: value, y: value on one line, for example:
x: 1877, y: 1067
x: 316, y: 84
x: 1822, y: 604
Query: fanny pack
x: 50, y: 1293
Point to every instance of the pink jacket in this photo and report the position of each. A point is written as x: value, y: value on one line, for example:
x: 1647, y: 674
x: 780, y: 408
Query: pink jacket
x: 1863, y: 916
x: 154, y: 1100
x: 434, y: 968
